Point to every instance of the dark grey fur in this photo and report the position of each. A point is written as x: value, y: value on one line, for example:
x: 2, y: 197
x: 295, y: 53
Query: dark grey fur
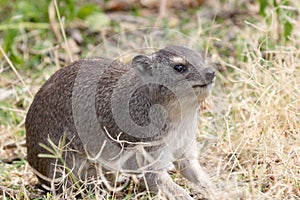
x: 65, y: 103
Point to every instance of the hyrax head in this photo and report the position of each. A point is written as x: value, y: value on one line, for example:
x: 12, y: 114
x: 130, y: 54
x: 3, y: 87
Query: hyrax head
x: 176, y: 66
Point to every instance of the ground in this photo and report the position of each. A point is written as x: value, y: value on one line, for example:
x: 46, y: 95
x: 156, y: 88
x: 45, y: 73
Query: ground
x: 249, y: 131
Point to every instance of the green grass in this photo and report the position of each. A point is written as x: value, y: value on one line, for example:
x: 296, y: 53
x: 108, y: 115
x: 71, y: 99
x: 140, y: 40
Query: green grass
x: 249, y: 128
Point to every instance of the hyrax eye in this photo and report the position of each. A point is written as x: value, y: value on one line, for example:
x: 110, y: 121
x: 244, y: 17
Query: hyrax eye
x: 180, y: 68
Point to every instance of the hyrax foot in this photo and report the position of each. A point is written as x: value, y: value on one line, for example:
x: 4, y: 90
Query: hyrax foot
x: 161, y: 181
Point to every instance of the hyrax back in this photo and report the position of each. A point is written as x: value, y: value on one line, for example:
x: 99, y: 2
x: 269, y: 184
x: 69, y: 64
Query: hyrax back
x: 106, y: 114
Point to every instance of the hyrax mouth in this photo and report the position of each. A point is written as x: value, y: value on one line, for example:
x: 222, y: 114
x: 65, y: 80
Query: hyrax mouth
x: 205, y: 85
x: 200, y: 86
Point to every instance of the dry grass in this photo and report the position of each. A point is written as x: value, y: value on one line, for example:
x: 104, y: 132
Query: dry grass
x: 250, y: 129
x: 255, y: 124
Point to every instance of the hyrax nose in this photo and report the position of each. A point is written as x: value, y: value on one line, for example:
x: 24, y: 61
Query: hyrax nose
x: 210, y: 74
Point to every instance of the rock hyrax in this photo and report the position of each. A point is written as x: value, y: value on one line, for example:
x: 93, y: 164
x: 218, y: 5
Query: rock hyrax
x: 138, y: 118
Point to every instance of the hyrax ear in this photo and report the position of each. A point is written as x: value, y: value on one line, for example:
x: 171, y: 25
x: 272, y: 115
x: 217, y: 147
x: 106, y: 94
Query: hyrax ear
x: 142, y: 65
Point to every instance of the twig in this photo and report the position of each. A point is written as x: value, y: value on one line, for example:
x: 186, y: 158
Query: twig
x: 15, y: 71
x: 162, y: 12
x: 63, y: 31
x: 29, y: 25
x: 53, y: 23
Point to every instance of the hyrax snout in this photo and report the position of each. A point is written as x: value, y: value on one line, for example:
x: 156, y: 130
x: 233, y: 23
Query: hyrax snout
x: 103, y: 116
